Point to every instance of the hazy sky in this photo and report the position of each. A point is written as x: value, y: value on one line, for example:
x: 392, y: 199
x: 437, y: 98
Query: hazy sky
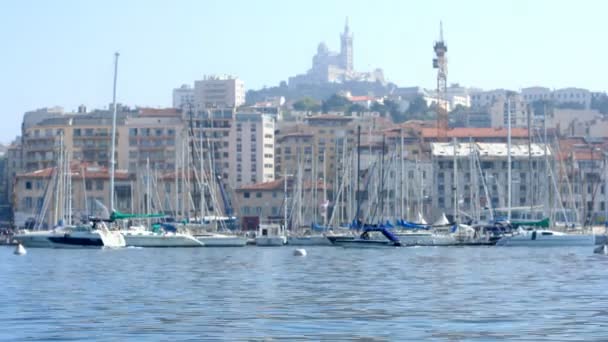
x: 61, y: 52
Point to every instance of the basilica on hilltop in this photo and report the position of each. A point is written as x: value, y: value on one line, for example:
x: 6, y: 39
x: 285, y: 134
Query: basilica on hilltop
x: 333, y: 67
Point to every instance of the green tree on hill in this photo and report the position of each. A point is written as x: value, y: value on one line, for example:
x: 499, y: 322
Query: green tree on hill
x: 307, y: 104
x: 335, y: 103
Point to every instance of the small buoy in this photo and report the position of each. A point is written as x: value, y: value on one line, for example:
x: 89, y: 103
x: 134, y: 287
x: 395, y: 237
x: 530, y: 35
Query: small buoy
x: 299, y: 252
x: 20, y: 250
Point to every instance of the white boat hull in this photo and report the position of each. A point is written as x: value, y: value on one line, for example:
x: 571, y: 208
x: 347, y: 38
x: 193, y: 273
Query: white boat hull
x: 70, y: 240
x: 270, y: 241
x: 222, y: 241
x: 136, y: 239
x: 316, y: 240
x: 566, y: 240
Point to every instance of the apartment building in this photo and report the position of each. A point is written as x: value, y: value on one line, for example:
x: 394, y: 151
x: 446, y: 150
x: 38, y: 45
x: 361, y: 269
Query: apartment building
x: 573, y: 96
x: 86, y: 136
x: 154, y: 140
x: 183, y: 97
x: 219, y: 91
x: 482, y: 176
x: 251, y: 142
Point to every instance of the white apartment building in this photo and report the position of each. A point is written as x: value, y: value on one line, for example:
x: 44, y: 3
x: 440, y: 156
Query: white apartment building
x: 482, y: 99
x: 183, y: 96
x: 219, y: 92
x: 560, y: 96
x: 251, y: 150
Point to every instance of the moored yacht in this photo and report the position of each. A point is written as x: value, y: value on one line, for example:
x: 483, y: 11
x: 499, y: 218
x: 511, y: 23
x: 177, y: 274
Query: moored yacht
x: 545, y: 237
x: 95, y: 236
x: 138, y: 236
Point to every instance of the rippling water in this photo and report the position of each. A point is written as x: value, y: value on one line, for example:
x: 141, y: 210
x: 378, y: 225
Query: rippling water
x: 250, y: 293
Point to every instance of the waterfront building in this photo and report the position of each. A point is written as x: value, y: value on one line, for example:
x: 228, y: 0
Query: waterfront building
x: 482, y: 176
x: 264, y: 202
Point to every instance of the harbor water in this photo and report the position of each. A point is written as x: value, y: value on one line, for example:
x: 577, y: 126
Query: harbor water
x: 249, y: 293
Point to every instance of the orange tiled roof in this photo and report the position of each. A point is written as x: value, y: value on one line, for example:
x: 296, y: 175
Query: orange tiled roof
x: 463, y: 132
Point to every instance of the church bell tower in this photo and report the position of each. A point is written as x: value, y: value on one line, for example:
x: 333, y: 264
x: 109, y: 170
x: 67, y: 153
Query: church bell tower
x: 346, y: 48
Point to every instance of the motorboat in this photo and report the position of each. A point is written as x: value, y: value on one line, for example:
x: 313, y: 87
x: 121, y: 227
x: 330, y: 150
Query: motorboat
x: 138, y: 236
x: 210, y: 239
x: 545, y: 237
x: 369, y: 238
x: 270, y: 235
x: 96, y: 235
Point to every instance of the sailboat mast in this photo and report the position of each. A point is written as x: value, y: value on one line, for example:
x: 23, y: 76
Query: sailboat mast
x: 113, y: 146
x: 455, y: 181
x: 381, y: 192
x: 509, y: 158
x: 357, y: 172
x: 401, y: 194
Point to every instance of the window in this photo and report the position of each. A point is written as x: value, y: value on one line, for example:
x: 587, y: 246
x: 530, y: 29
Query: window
x: 246, y: 195
x: 99, y: 185
x: 28, y: 186
x: 28, y: 203
x: 88, y: 185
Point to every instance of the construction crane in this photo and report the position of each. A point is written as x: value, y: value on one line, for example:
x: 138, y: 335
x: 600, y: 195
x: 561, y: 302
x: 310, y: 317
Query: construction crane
x: 440, y: 62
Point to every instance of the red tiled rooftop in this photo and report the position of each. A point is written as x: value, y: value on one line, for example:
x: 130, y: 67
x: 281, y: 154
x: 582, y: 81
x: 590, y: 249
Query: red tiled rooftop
x: 361, y: 98
x: 330, y: 117
x: 463, y: 132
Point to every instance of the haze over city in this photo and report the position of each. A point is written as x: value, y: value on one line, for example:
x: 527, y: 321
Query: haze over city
x: 61, y: 52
